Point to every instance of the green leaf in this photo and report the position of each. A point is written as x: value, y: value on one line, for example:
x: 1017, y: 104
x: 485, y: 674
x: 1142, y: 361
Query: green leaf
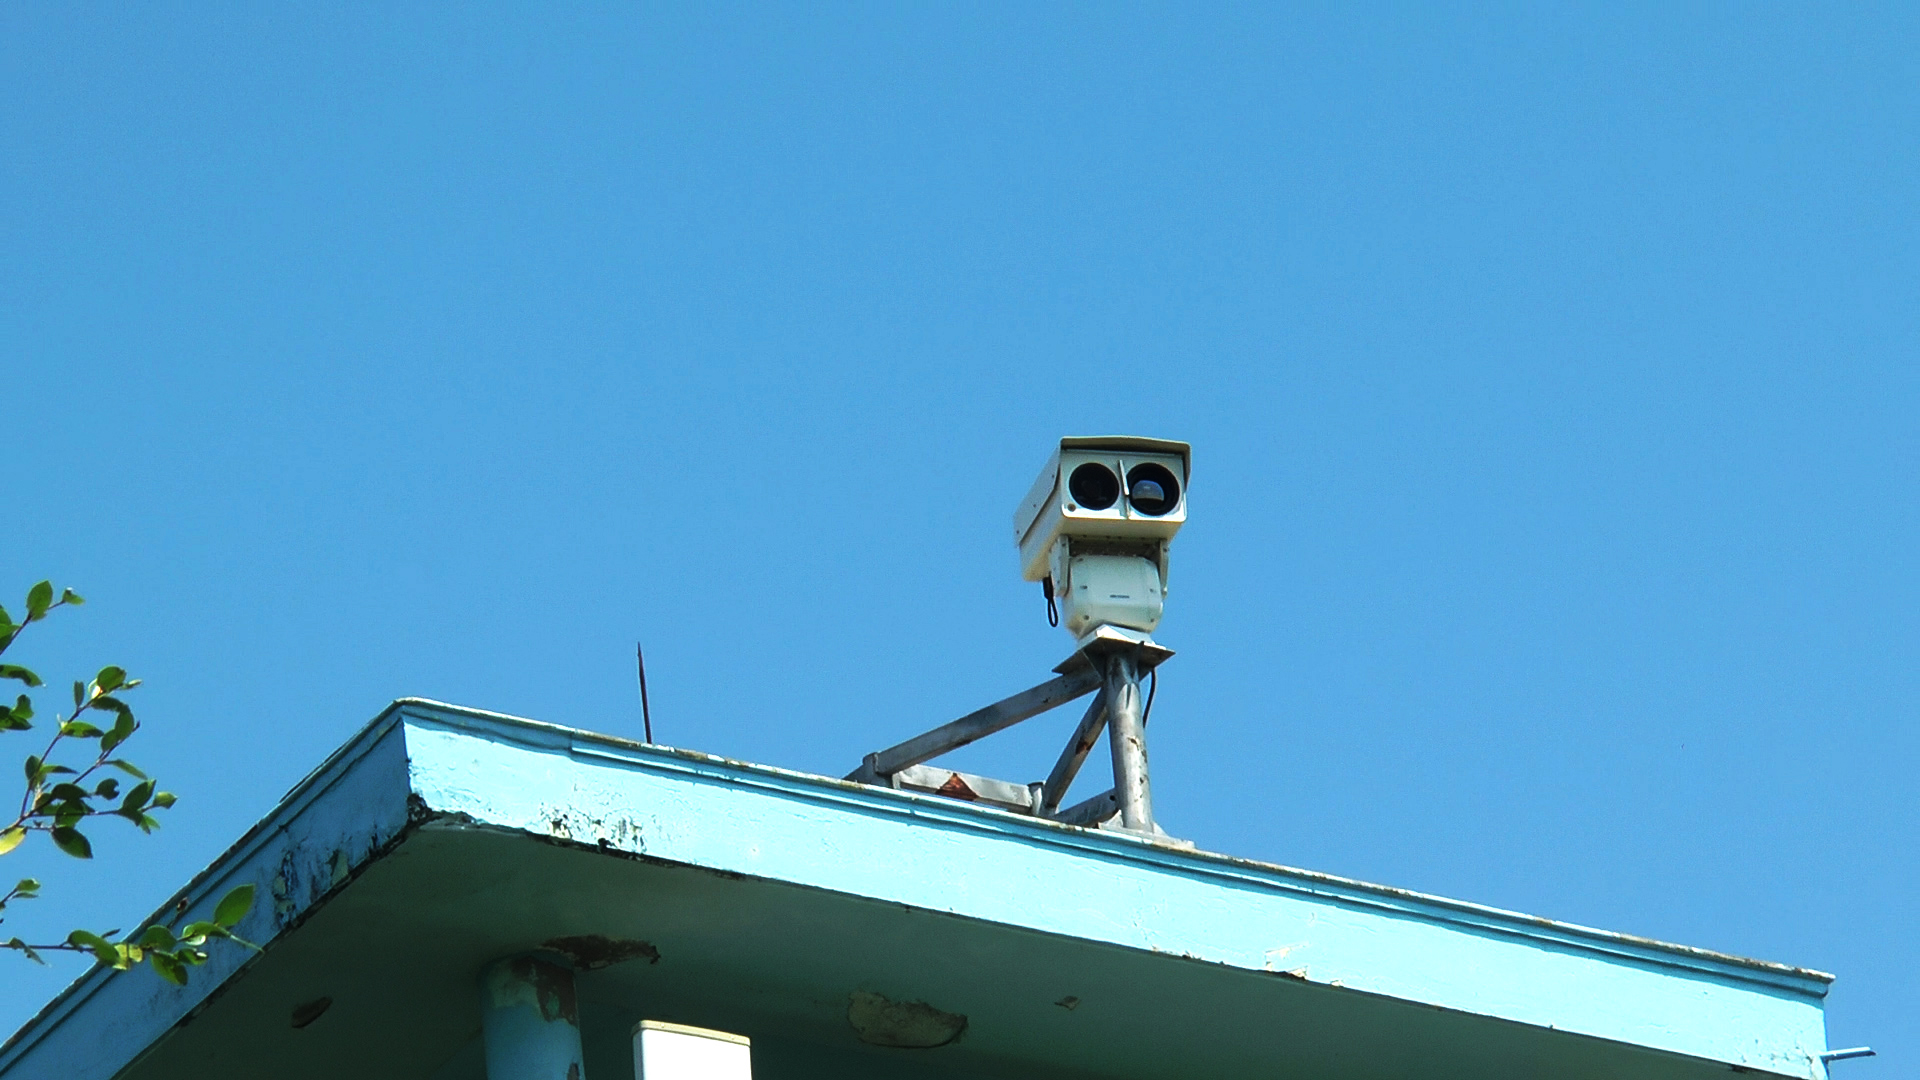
x: 168, y: 968
x: 46, y: 770
x: 111, y: 704
x: 102, y: 948
x: 15, y: 671
x: 165, y: 799
x: 69, y: 840
x: 128, y: 768
x: 111, y: 678
x: 233, y: 907
x: 32, y: 955
x: 123, y: 729
x: 107, y: 788
x: 33, y: 769
x: 79, y: 693
x: 196, y: 934
x: 67, y: 792
x: 68, y: 596
x: 137, y: 797
x: 157, y: 937
x: 11, y: 838
x: 39, y: 599
x: 80, y: 729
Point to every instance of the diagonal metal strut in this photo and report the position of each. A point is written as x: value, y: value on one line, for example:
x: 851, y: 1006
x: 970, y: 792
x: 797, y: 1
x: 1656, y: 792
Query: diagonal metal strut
x: 1085, y: 736
x: 1102, y: 807
x: 976, y: 725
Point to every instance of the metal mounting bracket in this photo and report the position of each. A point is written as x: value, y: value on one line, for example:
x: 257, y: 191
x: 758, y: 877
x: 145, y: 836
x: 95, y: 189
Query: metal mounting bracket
x: 1111, y: 660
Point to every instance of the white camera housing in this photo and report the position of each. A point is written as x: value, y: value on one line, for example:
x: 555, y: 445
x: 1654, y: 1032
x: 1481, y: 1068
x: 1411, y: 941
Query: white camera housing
x: 1097, y: 523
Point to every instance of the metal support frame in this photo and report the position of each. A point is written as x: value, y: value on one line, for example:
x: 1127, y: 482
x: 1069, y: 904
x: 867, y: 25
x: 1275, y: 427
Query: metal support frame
x: 1102, y: 807
x: 975, y: 726
x: 1127, y: 732
x: 1075, y: 754
x: 1111, y: 661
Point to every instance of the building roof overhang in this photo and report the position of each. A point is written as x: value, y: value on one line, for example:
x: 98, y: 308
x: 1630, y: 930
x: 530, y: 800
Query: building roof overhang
x: 695, y: 889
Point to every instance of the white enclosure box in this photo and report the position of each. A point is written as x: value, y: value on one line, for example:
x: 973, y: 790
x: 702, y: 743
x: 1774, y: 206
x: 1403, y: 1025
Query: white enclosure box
x: 663, y: 1051
x: 1119, y: 488
x: 1121, y: 590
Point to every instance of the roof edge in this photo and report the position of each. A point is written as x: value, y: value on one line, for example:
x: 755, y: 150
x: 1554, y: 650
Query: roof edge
x: 1806, y: 981
x: 200, y: 886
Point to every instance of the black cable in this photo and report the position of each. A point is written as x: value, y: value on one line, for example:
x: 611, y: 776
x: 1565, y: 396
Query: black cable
x: 1153, y: 686
x: 1053, y: 613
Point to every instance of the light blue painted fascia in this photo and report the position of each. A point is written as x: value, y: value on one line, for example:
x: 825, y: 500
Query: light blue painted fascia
x: 1000, y: 867
x: 343, y: 812
x: 422, y: 757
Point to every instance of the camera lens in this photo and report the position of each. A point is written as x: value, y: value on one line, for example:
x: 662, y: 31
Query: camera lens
x: 1094, y: 486
x: 1152, y: 490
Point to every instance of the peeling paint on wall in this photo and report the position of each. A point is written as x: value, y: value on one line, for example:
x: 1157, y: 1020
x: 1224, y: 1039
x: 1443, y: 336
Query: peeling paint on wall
x: 537, y: 983
x: 911, y: 1025
x: 613, y: 830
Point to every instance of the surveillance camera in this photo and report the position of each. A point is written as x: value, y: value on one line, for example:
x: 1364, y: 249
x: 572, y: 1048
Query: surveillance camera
x: 1097, y: 524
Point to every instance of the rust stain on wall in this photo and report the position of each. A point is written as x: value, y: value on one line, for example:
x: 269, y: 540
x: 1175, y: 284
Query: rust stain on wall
x: 310, y: 1011
x: 592, y: 951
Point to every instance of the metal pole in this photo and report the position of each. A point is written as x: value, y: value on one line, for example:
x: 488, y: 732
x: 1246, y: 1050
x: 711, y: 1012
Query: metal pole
x: 1128, y: 739
x: 646, y: 714
x: 530, y: 1020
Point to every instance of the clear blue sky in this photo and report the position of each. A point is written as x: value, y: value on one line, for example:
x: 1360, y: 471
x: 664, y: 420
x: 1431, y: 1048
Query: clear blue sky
x: 1552, y: 382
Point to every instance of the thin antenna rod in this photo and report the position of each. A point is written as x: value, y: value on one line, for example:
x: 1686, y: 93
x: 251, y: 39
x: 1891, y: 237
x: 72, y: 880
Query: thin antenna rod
x: 646, y: 714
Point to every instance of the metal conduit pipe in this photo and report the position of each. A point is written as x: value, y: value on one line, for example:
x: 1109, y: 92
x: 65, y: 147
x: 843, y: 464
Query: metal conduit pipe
x: 530, y: 1019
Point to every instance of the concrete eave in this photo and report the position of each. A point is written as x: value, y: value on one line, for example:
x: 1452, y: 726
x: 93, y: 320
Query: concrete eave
x: 427, y: 765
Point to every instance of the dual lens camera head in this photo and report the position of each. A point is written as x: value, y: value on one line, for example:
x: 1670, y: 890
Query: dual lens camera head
x: 1152, y: 489
x: 1096, y: 526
